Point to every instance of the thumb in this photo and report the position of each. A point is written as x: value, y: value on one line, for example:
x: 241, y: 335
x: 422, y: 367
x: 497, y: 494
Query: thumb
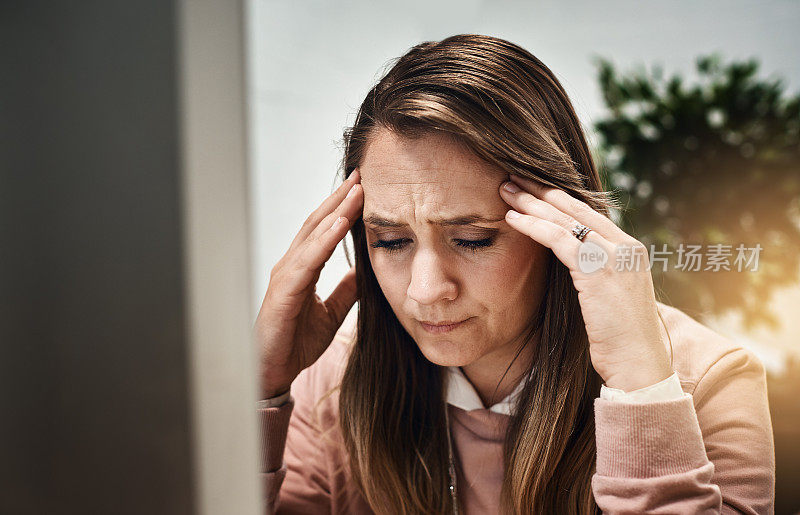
x: 343, y: 297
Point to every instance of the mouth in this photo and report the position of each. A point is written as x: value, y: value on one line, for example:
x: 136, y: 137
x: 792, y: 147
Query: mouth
x: 442, y: 327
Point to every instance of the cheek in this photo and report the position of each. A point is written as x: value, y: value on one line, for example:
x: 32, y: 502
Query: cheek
x: 501, y: 279
x: 512, y: 284
x: 501, y: 270
x: 391, y: 277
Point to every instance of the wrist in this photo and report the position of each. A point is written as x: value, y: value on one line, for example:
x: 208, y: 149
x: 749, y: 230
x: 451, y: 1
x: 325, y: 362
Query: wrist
x: 636, y: 377
x: 274, y: 390
x: 270, y: 394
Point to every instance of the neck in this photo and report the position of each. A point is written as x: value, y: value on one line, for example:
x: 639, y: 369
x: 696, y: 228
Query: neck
x: 485, y: 373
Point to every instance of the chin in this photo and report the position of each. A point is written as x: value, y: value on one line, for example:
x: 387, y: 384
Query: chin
x: 445, y: 353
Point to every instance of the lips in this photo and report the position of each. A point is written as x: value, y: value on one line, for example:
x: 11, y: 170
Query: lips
x: 448, y: 322
x: 443, y: 326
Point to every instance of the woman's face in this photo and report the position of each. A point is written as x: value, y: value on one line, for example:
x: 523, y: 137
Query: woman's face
x: 442, y: 251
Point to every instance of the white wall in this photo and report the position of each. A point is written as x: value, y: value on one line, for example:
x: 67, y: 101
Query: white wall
x: 313, y: 62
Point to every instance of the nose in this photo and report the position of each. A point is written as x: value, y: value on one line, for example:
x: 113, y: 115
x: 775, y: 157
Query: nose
x: 431, y: 281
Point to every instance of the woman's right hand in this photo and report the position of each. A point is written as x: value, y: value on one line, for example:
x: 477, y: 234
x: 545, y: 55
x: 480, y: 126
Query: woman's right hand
x: 294, y: 326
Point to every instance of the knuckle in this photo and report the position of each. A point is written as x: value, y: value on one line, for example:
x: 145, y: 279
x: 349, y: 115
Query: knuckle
x: 582, y: 209
x: 637, y: 246
x: 632, y: 242
x: 306, y: 261
x: 606, y: 270
x: 299, y: 272
x: 529, y: 202
x: 565, y: 220
x: 326, y: 223
x: 557, y: 196
x: 532, y: 223
x: 310, y: 219
x: 558, y: 234
x: 318, y: 243
x: 277, y: 269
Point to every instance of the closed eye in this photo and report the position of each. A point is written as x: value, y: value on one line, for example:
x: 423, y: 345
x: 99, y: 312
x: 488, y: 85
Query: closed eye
x: 390, y: 245
x: 475, y: 244
x: 398, y: 244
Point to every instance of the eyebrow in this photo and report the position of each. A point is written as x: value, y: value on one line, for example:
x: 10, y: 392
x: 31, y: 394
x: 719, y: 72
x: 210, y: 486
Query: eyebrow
x: 381, y: 221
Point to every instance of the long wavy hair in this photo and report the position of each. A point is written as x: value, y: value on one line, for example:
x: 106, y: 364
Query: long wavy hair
x: 510, y: 110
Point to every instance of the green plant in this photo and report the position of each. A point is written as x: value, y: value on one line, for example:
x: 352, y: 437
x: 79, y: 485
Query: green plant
x: 712, y: 162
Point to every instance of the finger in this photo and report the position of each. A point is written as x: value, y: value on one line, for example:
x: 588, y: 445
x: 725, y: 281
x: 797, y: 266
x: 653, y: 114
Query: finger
x: 306, y: 267
x: 343, y: 297
x: 526, y: 203
x: 325, y: 209
x: 562, y: 242
x: 350, y: 208
x: 578, y: 209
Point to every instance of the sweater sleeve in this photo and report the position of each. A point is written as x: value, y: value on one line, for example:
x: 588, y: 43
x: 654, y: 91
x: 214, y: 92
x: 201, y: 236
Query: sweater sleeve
x: 295, y: 468
x: 668, y: 389
x: 273, y: 427
x: 709, y: 452
x: 303, y: 466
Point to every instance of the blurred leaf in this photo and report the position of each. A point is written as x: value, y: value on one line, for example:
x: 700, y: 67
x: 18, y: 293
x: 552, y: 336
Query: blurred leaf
x: 708, y: 162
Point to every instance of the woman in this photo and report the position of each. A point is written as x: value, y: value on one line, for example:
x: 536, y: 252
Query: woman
x: 500, y: 362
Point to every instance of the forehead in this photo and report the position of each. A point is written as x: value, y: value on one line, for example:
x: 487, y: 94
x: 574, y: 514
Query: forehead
x: 429, y: 175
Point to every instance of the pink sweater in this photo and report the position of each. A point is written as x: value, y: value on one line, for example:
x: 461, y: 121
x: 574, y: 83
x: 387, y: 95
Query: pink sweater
x: 710, y: 452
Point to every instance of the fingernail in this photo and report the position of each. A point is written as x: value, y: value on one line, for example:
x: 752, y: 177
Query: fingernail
x: 352, y: 191
x: 512, y: 214
x: 511, y: 187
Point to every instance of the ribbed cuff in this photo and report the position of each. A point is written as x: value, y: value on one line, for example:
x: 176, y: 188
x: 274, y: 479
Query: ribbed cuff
x: 664, y: 390
x: 273, y: 427
x: 647, y: 440
x: 274, y: 402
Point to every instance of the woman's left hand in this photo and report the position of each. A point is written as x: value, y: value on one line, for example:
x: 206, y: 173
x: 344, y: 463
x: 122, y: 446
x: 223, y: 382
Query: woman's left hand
x: 618, y: 302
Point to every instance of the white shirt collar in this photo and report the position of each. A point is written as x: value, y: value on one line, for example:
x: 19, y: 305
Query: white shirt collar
x: 461, y: 394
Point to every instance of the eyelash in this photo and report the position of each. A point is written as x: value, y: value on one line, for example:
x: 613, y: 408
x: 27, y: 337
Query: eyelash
x: 392, y: 246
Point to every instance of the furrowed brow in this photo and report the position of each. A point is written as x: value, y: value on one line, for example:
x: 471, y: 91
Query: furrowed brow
x: 381, y: 221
